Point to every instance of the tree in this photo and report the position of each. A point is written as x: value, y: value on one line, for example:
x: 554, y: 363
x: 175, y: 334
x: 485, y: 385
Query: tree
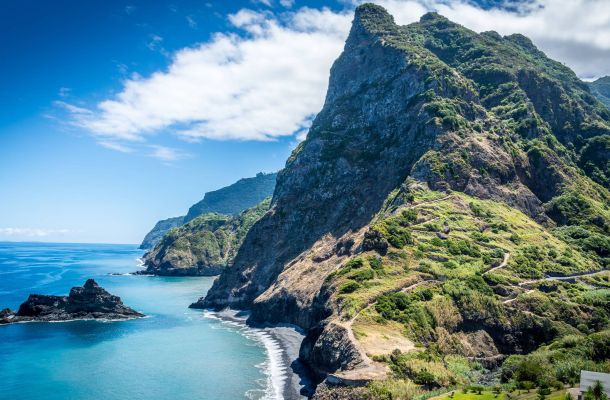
x: 543, y: 392
x: 527, y: 385
x: 598, y: 390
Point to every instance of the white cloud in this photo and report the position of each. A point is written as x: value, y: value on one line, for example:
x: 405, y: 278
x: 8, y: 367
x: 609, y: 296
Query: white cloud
x: 166, y: 154
x: 267, y: 3
x: 258, y: 87
x: 267, y: 81
x: 287, y: 3
x: 115, y: 146
x: 64, y: 92
x: 31, y: 232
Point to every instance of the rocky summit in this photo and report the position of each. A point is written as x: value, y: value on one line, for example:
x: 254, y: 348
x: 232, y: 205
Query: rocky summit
x: 448, y: 209
x: 89, y: 301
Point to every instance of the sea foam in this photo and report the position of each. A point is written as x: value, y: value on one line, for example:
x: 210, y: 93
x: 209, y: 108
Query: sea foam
x: 274, y: 367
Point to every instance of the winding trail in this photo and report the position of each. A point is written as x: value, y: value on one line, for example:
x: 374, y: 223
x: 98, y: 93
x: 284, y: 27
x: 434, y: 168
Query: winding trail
x: 546, y: 279
x: 413, y: 286
x: 563, y: 277
x: 503, y: 264
x: 368, y: 369
x: 432, y: 201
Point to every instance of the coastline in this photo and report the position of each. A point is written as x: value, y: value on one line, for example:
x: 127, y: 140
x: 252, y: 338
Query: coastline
x: 287, y: 377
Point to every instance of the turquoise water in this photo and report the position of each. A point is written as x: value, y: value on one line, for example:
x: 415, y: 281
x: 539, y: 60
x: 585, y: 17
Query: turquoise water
x: 175, y: 353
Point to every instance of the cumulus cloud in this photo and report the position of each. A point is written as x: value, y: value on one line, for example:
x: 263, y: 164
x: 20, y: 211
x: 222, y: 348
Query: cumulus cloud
x: 269, y: 78
x: 258, y: 86
x: 166, y: 154
x: 31, y: 232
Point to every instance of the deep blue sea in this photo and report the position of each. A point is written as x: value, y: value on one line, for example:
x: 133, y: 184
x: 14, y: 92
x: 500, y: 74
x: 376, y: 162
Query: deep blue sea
x: 175, y: 353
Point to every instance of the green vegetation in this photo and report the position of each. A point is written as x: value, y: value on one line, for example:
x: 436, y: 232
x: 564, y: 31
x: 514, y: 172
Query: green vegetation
x: 470, y: 237
x: 230, y: 200
x: 235, y: 198
x: 204, y: 245
x: 559, y: 363
x: 601, y: 89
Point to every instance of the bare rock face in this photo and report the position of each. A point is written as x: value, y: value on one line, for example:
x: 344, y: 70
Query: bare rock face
x: 89, y: 301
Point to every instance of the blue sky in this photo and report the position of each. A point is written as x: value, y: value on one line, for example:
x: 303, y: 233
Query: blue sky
x: 120, y: 113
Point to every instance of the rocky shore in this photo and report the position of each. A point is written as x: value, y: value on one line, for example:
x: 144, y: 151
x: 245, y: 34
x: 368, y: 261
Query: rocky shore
x: 89, y: 301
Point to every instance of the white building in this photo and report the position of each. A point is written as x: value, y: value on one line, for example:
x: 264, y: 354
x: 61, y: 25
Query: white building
x: 588, y: 379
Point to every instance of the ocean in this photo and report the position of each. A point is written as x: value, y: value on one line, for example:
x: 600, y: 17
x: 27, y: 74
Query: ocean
x: 174, y: 353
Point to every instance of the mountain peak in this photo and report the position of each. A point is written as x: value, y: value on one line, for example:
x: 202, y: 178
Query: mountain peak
x: 373, y: 18
x: 432, y: 16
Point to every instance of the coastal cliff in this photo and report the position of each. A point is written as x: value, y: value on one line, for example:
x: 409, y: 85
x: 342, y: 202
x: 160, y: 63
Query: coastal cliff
x: 204, y: 246
x: 601, y: 89
x: 439, y: 200
x: 89, y: 301
x: 230, y: 200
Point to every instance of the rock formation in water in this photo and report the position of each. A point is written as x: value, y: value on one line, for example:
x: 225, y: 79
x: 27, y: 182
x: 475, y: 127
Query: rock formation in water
x: 89, y: 301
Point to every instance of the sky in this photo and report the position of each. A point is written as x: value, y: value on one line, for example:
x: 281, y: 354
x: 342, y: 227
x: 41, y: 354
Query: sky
x: 118, y: 113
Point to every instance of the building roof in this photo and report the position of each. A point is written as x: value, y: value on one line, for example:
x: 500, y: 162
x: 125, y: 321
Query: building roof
x: 588, y: 379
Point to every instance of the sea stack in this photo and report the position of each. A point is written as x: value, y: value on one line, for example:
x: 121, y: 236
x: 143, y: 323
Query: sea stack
x: 89, y: 301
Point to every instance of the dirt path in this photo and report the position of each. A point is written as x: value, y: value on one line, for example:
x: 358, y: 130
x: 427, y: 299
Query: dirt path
x: 432, y: 201
x: 502, y: 264
x: 413, y: 286
x: 546, y: 279
x: 562, y: 278
x: 510, y: 300
x: 375, y: 342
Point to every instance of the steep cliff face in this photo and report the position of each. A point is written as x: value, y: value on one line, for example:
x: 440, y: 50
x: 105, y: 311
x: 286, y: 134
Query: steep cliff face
x: 428, y: 112
x: 204, y: 246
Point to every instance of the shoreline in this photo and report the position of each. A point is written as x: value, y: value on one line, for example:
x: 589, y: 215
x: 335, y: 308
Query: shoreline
x: 288, y: 377
x: 100, y: 320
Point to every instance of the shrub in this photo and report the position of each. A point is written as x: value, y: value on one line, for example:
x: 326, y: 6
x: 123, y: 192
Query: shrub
x: 458, y: 247
x: 425, y: 378
x: 477, y: 210
x: 478, y: 389
x: 354, y: 263
x: 362, y: 275
x: 392, y: 305
x: 394, y: 389
x: 349, y: 287
x: 375, y: 263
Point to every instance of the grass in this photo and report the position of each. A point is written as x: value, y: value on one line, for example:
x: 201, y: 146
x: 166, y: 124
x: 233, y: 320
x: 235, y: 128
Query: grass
x: 456, y: 240
x: 490, y: 395
x: 459, y: 395
x: 480, y: 232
